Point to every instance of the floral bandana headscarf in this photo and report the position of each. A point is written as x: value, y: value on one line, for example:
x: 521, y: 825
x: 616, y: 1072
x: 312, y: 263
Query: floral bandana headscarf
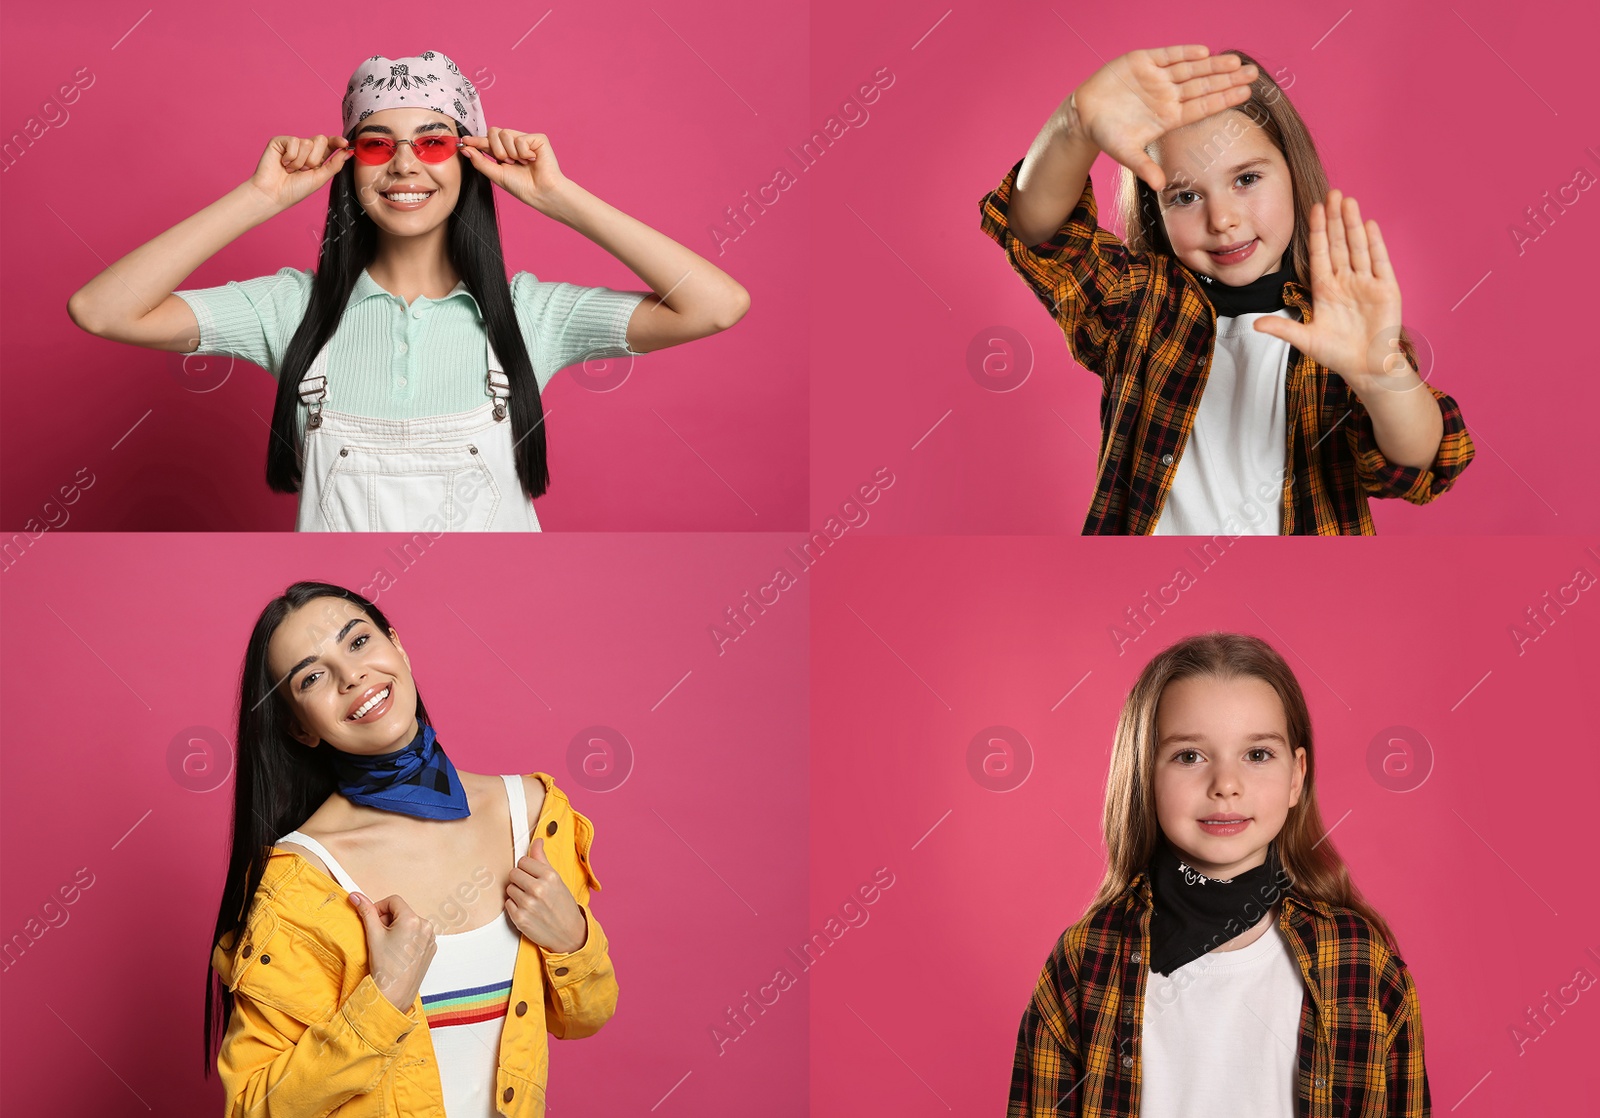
x: 427, y: 81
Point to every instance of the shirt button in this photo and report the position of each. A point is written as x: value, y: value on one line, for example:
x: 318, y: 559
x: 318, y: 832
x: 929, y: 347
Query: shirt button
x: 1166, y: 459
x: 402, y: 348
x: 1321, y: 1081
x: 418, y: 314
x: 522, y: 1008
x: 1138, y: 958
x: 1127, y: 1061
x: 402, y: 382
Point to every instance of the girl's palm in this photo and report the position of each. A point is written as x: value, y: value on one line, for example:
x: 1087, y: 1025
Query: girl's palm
x: 521, y: 163
x: 1355, y: 299
x: 1145, y: 94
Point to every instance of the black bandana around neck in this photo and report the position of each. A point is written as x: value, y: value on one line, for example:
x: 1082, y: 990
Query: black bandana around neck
x: 1194, y: 914
x: 417, y: 780
x: 1262, y: 295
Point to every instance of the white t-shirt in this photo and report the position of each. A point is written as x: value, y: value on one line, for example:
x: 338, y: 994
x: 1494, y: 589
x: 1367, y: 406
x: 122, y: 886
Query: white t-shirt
x: 1230, y: 478
x: 1221, y: 1034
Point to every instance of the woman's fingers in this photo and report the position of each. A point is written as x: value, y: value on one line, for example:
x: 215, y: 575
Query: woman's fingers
x: 1173, y: 56
x: 1217, y: 83
x: 1338, y: 253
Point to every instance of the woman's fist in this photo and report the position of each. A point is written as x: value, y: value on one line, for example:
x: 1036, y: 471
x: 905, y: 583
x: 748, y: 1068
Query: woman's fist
x: 400, y: 945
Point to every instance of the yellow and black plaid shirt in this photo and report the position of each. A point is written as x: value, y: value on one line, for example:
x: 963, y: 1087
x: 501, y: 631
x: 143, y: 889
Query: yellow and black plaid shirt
x: 1079, y: 1050
x: 1142, y: 322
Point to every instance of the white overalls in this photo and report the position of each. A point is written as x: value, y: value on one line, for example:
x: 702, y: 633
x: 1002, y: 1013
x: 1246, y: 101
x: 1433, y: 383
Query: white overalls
x: 442, y: 473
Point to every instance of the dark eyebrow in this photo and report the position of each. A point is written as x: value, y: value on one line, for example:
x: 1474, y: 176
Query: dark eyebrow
x: 390, y: 131
x: 1245, y: 166
x: 309, y: 660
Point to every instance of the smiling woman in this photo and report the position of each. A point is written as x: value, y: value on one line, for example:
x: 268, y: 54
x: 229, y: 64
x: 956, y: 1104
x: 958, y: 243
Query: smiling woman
x: 409, y: 370
x: 341, y: 777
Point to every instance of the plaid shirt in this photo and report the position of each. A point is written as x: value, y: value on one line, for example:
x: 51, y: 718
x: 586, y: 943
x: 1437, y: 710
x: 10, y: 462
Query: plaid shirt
x: 1360, y: 1047
x: 1142, y: 322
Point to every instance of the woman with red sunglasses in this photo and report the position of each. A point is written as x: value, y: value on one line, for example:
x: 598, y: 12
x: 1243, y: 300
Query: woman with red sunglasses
x: 409, y: 371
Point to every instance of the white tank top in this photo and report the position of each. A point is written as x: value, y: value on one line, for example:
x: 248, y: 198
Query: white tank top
x: 468, y: 984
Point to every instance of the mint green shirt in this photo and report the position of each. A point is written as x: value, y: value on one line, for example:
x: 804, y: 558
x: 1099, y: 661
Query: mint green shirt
x: 388, y: 360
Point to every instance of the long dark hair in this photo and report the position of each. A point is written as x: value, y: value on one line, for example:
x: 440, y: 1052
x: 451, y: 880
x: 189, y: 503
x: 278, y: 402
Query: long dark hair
x: 278, y: 783
x: 1269, y: 108
x: 349, y: 244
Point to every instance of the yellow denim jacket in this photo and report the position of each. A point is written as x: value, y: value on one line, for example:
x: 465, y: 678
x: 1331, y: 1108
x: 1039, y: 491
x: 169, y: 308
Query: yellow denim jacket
x: 311, y: 1035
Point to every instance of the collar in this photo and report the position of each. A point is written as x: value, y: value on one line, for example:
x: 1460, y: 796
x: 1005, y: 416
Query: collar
x: 366, y: 287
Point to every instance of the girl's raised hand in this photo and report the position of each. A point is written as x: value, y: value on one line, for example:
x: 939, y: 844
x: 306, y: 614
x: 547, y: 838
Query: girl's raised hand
x: 1132, y: 100
x: 293, y: 168
x: 520, y: 163
x: 1355, y: 301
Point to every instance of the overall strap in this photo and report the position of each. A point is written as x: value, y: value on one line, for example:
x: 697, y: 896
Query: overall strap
x: 314, y: 386
x: 499, y: 385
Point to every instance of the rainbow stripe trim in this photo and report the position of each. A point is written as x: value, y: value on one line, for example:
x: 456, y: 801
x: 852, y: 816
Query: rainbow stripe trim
x: 467, y: 1007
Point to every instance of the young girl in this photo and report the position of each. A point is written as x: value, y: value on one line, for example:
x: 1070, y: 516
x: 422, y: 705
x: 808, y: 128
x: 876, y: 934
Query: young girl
x: 1227, y: 405
x: 409, y: 372
x: 434, y: 981
x: 1226, y: 964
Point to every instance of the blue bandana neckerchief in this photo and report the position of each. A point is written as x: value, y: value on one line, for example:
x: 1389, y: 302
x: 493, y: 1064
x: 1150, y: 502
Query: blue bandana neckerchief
x: 417, y: 780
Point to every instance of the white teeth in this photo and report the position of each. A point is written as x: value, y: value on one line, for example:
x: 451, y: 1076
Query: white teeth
x: 370, y: 703
x: 407, y: 197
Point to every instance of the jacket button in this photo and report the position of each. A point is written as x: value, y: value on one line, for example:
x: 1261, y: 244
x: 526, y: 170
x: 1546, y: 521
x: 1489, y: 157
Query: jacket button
x: 1137, y: 957
x: 1166, y: 459
x: 248, y: 950
x: 266, y: 958
x: 507, y: 1093
x: 550, y: 830
x: 522, y: 1008
x: 561, y: 970
x: 1127, y: 1061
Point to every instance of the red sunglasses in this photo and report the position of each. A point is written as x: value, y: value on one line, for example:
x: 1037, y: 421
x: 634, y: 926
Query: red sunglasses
x: 430, y: 149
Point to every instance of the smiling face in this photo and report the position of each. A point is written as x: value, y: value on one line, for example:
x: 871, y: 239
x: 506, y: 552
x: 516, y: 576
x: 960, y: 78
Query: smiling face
x: 1227, y: 185
x: 1223, y: 750
x: 329, y: 661
x: 405, y: 172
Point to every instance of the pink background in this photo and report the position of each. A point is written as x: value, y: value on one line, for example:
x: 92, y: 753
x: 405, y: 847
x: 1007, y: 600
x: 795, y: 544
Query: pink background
x: 1414, y: 115
x: 111, y: 651
x: 1484, y: 870
x: 669, y: 115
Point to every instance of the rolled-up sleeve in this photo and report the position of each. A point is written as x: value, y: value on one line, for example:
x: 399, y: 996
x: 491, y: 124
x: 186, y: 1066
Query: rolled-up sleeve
x: 566, y: 323
x: 1083, y: 274
x: 252, y: 319
x: 1417, y: 484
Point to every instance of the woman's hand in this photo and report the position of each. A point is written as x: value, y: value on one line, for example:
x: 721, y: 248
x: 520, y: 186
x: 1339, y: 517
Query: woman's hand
x: 292, y: 168
x: 521, y: 163
x: 400, y: 945
x: 541, y: 906
x: 1355, y: 302
x: 1145, y: 94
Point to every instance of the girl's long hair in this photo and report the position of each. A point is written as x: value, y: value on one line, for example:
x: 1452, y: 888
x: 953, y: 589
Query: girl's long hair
x: 349, y: 244
x: 278, y: 783
x: 1270, y: 109
x: 1132, y: 828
